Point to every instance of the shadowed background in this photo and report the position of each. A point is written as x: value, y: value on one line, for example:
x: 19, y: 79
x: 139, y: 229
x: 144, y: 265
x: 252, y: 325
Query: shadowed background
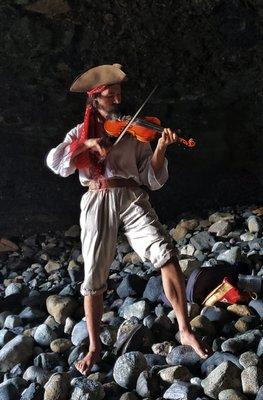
x: 207, y: 58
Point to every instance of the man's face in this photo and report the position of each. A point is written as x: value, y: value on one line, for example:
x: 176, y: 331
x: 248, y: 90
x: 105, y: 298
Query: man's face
x: 109, y: 99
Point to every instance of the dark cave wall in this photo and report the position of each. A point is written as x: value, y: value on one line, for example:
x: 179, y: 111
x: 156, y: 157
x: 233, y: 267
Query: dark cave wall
x: 207, y: 58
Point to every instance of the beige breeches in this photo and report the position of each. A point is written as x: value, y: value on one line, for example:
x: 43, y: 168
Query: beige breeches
x: 103, y: 213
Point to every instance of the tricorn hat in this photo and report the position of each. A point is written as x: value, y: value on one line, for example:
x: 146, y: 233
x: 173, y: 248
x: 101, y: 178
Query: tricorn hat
x: 101, y: 75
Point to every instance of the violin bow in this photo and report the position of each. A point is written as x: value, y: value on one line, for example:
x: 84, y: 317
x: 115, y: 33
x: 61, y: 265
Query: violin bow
x: 135, y: 115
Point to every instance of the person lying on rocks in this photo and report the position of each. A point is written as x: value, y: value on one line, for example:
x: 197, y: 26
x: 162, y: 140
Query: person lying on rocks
x: 115, y: 200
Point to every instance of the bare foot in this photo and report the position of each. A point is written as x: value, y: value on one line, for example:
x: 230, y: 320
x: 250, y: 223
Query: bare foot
x: 85, y: 364
x: 201, y: 348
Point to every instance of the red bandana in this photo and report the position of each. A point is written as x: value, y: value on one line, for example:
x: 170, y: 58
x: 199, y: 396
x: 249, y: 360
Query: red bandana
x: 90, y: 129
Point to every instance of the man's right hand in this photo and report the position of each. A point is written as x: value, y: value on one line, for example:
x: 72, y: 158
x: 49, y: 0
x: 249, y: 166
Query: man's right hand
x: 96, y: 145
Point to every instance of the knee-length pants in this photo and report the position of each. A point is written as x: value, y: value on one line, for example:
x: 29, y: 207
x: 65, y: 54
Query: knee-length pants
x: 103, y: 213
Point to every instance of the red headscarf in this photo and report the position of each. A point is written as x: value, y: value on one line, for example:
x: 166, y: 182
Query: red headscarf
x: 90, y: 127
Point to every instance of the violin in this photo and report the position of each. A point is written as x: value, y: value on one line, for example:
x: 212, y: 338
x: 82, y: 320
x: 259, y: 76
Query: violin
x: 143, y: 129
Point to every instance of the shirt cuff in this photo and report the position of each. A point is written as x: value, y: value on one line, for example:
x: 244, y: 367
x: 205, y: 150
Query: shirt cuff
x: 156, y: 181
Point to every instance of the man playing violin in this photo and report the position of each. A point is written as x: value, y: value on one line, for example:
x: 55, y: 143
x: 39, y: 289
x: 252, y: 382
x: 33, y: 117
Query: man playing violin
x: 115, y: 200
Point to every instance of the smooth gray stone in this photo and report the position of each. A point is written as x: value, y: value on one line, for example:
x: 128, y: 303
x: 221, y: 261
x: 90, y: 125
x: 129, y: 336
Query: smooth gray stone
x: 257, y: 305
x: 256, y: 244
x: 12, y: 321
x: 5, y: 336
x: 140, y: 309
x: 218, y: 358
x: 147, y: 385
x: 13, y: 288
x: 127, y: 369
x: 131, y: 285
x: 153, y: 289
x: 44, y: 335
x: 48, y: 361
x: 17, y: 381
x: 154, y: 359
x: 37, y: 374
x: 18, y: 370
x: 9, y: 392
x: 180, y: 390
x: 30, y: 314
x: 128, y: 301
x: 19, y: 349
x: 33, y: 392
x: 184, y: 355
x: 76, y: 353
x: 80, y: 334
x: 260, y: 348
x: 3, y: 316
x: 216, y: 314
x: 202, y: 241
x: 230, y: 256
x: 241, y: 343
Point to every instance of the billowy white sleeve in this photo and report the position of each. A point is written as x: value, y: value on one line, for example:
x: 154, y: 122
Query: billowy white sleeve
x: 59, y: 159
x: 146, y: 173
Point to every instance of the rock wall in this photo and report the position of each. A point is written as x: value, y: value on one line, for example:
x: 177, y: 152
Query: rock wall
x: 207, y: 58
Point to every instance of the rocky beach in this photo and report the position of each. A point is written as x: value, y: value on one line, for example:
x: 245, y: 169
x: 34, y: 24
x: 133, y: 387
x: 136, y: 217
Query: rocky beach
x: 43, y: 330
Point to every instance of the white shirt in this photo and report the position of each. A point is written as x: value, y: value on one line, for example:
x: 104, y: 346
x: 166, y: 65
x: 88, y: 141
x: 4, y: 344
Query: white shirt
x: 130, y: 158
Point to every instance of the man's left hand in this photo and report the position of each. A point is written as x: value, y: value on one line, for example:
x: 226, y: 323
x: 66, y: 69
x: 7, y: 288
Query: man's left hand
x: 168, y: 137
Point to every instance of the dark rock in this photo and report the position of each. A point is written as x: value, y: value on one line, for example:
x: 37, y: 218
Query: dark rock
x: 154, y: 359
x: 184, y: 355
x: 216, y: 359
x: 19, y: 349
x: 48, y: 361
x: 33, y: 392
x: 202, y: 241
x: 147, y: 385
x: 9, y: 392
x: 131, y: 285
x: 153, y: 289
